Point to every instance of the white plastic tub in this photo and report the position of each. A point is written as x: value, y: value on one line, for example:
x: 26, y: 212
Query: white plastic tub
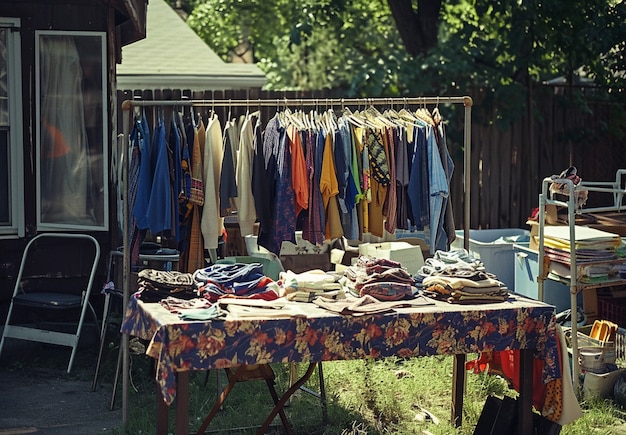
x: 495, y: 249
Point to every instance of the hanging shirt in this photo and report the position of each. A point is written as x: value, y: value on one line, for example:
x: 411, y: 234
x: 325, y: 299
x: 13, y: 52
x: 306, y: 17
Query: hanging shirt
x: 447, y: 226
x: 312, y: 226
x: 330, y: 189
x: 402, y: 180
x: 145, y: 176
x: 438, y: 191
x: 390, y: 208
x: 349, y: 219
x: 260, y: 183
x: 264, y: 183
x: 364, y: 179
x: 246, y: 211
x: 379, y: 181
x: 228, y: 184
x: 139, y: 139
x: 159, y: 211
x: 211, y: 224
x: 418, y: 191
x: 299, y: 175
x: 284, y: 212
x: 176, y: 169
x: 185, y: 207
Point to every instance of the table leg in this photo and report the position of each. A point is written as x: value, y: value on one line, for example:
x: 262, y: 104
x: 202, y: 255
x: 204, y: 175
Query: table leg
x: 162, y: 411
x: 182, y: 407
x: 458, y: 387
x: 223, y: 394
x: 323, y: 394
x: 285, y: 397
x: 525, y: 400
x: 182, y: 403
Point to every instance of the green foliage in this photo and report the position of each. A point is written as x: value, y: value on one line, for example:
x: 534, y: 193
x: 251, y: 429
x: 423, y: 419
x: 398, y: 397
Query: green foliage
x: 353, y: 46
x: 305, y: 44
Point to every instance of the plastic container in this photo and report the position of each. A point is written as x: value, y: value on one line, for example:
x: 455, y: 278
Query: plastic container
x: 495, y: 249
x: 596, y: 359
x: 600, y: 385
x: 584, y: 340
x: 408, y: 255
x: 526, y: 270
x: 610, y: 352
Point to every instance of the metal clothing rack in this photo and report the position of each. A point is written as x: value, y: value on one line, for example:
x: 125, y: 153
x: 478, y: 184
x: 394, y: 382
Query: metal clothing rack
x: 278, y: 103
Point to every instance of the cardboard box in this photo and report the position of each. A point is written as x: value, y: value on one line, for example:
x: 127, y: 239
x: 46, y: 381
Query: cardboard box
x: 590, y: 304
x: 409, y: 256
x: 305, y: 262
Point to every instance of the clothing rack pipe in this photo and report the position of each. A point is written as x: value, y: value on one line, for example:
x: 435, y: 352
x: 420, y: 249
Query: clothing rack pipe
x: 128, y: 105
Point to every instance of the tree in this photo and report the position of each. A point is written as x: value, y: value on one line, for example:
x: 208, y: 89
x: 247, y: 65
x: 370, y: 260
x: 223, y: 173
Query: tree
x: 402, y: 47
x: 418, y: 29
x: 305, y: 44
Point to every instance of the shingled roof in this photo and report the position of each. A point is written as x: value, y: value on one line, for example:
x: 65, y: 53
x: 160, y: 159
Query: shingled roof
x: 173, y: 56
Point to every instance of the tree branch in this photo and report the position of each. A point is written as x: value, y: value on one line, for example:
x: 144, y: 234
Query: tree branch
x: 418, y: 30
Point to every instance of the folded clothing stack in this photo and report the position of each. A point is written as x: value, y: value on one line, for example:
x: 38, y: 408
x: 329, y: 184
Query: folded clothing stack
x: 154, y: 285
x: 464, y: 286
x: 306, y: 286
x: 235, y: 280
x: 383, y: 279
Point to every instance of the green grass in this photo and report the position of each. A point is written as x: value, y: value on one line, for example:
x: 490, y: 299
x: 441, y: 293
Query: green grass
x: 364, y: 397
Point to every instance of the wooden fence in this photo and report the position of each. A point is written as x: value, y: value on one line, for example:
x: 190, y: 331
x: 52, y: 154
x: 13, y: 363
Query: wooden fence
x: 508, y: 163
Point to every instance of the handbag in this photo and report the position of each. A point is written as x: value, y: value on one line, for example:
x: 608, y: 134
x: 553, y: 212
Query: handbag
x: 499, y: 416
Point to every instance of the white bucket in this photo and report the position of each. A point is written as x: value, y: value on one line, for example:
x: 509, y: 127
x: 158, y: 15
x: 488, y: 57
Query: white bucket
x: 594, y: 359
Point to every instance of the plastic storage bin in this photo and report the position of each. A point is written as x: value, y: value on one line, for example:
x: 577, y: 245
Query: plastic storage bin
x: 495, y: 249
x: 526, y: 269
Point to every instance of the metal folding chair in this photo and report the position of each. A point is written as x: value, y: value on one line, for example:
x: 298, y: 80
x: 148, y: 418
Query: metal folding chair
x: 53, y: 287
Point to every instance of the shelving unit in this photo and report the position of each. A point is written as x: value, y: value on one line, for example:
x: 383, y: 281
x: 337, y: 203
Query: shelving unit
x: 618, y: 190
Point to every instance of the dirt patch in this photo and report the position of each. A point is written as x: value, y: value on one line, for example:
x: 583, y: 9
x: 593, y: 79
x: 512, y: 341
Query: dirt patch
x: 39, y: 397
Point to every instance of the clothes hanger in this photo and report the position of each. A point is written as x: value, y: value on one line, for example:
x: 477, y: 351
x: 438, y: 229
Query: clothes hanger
x: 376, y: 118
x: 137, y: 109
x: 436, y: 115
x: 351, y: 118
x: 392, y: 115
x: 212, y: 109
x: 369, y: 123
x: 423, y: 114
x: 191, y: 114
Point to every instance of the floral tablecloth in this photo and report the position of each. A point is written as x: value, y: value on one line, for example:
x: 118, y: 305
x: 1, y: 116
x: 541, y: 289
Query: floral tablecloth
x: 316, y: 335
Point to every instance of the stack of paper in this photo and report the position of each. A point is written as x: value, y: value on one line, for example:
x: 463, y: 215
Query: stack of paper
x: 558, y: 237
x: 591, y: 246
x: 591, y: 273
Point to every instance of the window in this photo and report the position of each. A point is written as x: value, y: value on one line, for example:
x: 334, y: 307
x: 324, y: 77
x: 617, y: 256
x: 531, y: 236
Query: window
x: 11, y: 184
x: 71, y: 135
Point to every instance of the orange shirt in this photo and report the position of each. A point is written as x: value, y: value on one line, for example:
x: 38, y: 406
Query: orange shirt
x: 299, y: 177
x: 328, y: 178
x: 330, y: 189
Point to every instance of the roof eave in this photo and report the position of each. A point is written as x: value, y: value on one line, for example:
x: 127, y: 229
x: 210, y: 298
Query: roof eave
x: 132, y: 25
x: 196, y: 83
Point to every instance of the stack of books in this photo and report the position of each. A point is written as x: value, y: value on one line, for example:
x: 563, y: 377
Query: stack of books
x: 591, y: 247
